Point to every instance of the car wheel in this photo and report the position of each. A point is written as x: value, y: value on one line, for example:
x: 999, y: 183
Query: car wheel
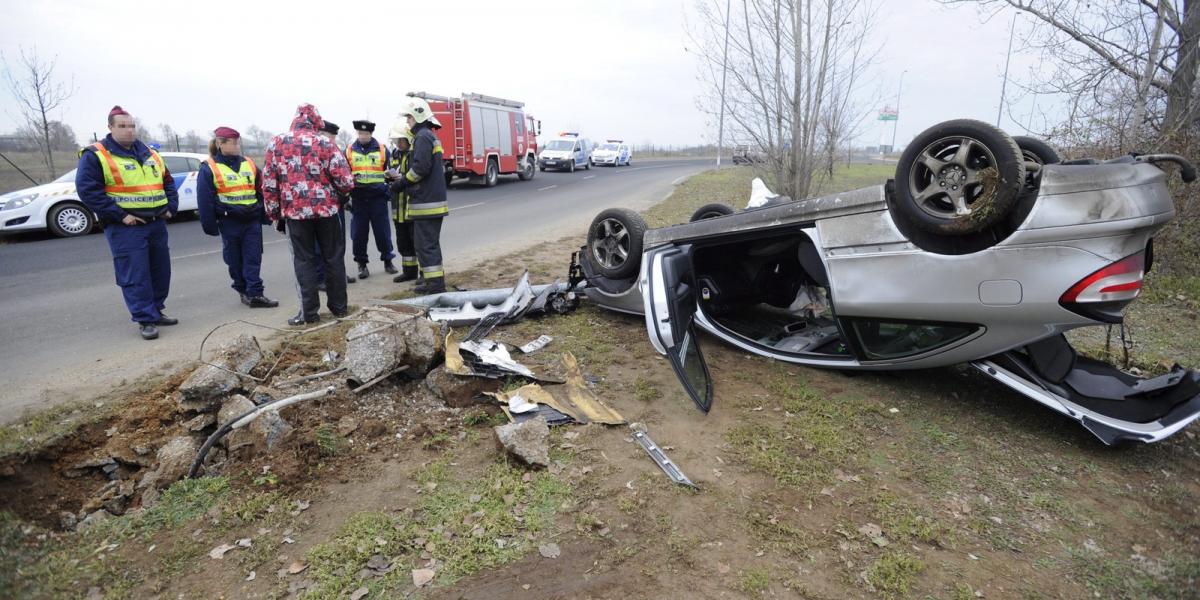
x: 587, y: 166
x: 527, y: 171
x: 614, y: 242
x: 710, y: 211
x: 70, y: 219
x: 492, y: 174
x: 571, y: 168
x: 1037, y: 152
x: 959, y: 177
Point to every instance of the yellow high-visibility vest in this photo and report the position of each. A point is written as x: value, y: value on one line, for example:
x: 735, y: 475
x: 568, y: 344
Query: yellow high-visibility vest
x: 234, y: 187
x: 367, y: 168
x: 132, y: 185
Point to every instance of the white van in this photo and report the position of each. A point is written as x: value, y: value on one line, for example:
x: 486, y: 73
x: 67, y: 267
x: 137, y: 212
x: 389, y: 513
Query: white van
x: 566, y: 152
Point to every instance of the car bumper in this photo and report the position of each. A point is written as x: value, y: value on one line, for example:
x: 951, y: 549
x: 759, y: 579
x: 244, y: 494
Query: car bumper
x: 554, y: 163
x: 608, y: 160
x: 26, y: 218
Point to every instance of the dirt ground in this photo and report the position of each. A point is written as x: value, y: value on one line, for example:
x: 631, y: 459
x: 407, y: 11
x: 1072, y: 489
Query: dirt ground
x: 812, y: 484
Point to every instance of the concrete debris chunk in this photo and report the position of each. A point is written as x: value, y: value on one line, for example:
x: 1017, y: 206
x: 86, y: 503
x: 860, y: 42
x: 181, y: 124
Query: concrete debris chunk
x: 528, y: 441
x: 203, y: 389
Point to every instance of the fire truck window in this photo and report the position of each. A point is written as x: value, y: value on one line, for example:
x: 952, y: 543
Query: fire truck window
x: 477, y: 141
x: 518, y: 123
x: 491, y: 133
x: 503, y: 122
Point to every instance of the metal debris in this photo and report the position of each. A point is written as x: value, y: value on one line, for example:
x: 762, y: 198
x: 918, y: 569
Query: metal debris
x: 661, y: 459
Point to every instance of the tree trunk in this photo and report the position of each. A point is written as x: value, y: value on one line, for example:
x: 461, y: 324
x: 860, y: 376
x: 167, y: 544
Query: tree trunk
x: 1180, y: 93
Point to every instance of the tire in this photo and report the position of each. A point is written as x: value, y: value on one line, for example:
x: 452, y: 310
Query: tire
x: 70, y: 219
x: 449, y: 177
x: 587, y: 166
x: 571, y: 169
x: 527, y: 170
x: 1036, y: 150
x: 491, y: 174
x: 541, y: 168
x: 711, y: 211
x: 959, y: 177
x: 614, y: 243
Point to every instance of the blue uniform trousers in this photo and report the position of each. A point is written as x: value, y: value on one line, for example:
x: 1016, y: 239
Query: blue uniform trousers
x: 242, y: 248
x: 142, y: 264
x: 371, y: 213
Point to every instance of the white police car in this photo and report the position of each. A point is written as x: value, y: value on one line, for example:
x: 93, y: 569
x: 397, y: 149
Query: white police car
x: 56, y: 206
x: 612, y: 152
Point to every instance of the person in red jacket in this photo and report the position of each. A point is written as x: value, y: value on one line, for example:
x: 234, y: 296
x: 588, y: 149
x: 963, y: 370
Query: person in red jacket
x: 303, y: 174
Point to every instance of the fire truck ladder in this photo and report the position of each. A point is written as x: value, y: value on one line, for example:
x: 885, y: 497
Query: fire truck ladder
x: 460, y: 147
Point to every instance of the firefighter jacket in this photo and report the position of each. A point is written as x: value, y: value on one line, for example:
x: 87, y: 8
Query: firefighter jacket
x: 426, y: 178
x: 398, y: 160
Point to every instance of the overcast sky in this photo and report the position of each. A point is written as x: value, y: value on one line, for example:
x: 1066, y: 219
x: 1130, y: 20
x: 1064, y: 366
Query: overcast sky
x: 614, y: 69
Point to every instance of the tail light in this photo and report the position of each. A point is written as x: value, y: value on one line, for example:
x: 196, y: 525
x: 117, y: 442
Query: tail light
x: 1105, y: 293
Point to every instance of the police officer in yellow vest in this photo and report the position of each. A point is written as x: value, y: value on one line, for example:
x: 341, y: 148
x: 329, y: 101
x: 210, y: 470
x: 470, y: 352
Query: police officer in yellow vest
x: 370, y: 203
x: 397, y: 166
x: 425, y: 184
x: 126, y: 183
x: 229, y: 200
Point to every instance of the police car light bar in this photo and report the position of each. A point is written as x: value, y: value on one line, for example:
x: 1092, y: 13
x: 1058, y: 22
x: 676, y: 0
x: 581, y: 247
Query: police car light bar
x: 568, y: 134
x: 615, y: 141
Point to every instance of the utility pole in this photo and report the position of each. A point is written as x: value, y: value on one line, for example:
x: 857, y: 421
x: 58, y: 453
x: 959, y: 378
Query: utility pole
x: 724, y: 73
x: 1007, y: 59
x: 896, y: 123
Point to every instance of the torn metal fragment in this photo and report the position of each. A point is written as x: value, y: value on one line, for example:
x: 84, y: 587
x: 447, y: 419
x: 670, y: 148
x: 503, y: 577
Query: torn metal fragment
x: 661, y: 459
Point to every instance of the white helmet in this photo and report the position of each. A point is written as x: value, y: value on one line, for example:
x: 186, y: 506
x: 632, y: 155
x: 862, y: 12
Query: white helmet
x: 400, y: 130
x: 419, y: 109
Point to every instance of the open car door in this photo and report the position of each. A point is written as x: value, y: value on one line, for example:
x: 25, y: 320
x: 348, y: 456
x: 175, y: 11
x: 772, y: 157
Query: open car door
x: 669, y: 294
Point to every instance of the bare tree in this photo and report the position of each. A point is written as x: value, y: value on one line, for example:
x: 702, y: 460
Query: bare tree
x: 193, y: 141
x: 38, y: 95
x: 259, y: 137
x: 343, y: 138
x: 795, y: 73
x: 1127, y: 68
x: 168, y: 137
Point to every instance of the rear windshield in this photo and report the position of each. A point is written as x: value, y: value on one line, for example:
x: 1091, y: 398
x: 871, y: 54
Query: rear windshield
x: 560, y: 145
x: 608, y: 147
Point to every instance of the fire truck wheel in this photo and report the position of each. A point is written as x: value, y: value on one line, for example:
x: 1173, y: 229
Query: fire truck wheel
x: 449, y: 177
x: 527, y: 171
x: 492, y: 174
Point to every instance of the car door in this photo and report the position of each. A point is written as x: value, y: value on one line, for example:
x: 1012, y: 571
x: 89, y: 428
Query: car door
x: 669, y: 294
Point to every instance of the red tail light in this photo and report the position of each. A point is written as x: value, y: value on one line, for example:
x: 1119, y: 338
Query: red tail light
x: 1104, y: 293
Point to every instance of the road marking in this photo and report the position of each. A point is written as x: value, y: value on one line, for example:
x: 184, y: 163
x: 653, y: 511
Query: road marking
x: 589, y: 177
x: 679, y: 180
x: 467, y: 206
x: 174, y: 258
x: 549, y: 187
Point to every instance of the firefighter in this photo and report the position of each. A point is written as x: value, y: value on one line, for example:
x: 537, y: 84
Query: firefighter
x: 369, y: 200
x: 330, y: 131
x: 425, y: 184
x: 127, y: 184
x: 397, y: 166
x: 229, y: 199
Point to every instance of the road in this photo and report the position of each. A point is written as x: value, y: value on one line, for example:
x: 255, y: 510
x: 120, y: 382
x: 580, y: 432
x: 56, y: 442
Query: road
x: 65, y: 333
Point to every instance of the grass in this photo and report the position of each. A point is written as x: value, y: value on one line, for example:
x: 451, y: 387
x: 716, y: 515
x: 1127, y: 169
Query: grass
x: 894, y: 573
x: 645, y: 390
x: 32, y: 163
x: 754, y: 581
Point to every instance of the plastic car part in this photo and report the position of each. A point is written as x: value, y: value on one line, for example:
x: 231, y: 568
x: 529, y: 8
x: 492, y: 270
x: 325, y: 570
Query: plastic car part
x: 661, y: 459
x: 467, y: 312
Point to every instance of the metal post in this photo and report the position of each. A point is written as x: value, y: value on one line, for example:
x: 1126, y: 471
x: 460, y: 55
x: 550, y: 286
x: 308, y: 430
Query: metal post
x: 724, y: 72
x: 897, y: 121
x: 1007, y: 59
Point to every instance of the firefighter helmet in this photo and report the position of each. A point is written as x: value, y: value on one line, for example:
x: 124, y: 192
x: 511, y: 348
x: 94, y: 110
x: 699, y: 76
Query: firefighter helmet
x: 400, y: 130
x: 418, y: 108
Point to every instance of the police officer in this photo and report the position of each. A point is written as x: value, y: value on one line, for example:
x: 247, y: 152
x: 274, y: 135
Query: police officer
x: 127, y: 184
x: 229, y: 199
x: 330, y: 131
x: 425, y: 184
x: 370, y: 202
x: 397, y: 166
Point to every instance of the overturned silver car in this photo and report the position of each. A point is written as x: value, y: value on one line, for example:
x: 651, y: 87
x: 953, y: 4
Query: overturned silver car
x: 984, y: 250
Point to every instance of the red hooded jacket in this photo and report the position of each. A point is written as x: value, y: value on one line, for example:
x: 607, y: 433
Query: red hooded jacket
x: 303, y: 172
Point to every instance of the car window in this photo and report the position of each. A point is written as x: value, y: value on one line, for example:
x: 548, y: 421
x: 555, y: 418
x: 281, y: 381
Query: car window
x: 193, y: 164
x: 177, y: 165
x: 558, y: 145
x: 880, y: 340
x: 608, y: 147
x: 68, y: 177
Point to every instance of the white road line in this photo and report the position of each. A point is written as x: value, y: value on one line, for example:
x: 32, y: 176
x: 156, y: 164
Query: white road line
x: 549, y: 187
x: 467, y: 206
x: 589, y: 177
x: 174, y: 258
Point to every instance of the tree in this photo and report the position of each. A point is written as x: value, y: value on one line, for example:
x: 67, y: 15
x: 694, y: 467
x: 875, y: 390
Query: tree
x: 38, y: 95
x: 794, y: 71
x: 193, y: 142
x: 168, y: 137
x: 1127, y: 68
x: 259, y: 137
x: 62, y: 137
x: 343, y: 138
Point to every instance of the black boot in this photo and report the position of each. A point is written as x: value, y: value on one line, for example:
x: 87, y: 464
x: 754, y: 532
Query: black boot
x: 245, y: 299
x: 165, y: 320
x: 299, y: 320
x: 148, y: 331
x: 431, y: 285
x: 262, y: 302
x: 389, y: 267
x: 363, y: 273
x: 407, y: 275
x: 350, y: 279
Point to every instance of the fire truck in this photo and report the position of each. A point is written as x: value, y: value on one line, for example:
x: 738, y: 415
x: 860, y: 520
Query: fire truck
x: 484, y: 137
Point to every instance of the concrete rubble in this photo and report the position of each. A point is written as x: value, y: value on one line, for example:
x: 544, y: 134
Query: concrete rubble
x: 528, y: 441
x: 203, y: 390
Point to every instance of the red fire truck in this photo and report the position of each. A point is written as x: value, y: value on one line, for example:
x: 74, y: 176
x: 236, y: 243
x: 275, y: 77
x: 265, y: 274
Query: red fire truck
x: 484, y: 137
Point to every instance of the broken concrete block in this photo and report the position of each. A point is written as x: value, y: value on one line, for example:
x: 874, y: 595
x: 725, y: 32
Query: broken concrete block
x: 207, y: 384
x: 263, y: 394
x: 391, y: 340
x: 263, y: 433
x: 528, y: 440
x: 174, y: 460
x: 458, y: 391
x: 200, y: 421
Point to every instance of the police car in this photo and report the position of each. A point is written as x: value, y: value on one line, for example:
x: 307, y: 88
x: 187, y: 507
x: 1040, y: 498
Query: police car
x: 612, y: 152
x: 56, y: 206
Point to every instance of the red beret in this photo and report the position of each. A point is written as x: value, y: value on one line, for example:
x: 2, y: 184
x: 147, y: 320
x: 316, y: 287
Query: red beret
x: 117, y: 110
x: 227, y: 133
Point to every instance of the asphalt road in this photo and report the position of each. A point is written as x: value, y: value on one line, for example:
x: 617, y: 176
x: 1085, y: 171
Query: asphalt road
x: 65, y: 333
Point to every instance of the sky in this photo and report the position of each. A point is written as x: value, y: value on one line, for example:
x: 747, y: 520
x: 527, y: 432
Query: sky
x: 620, y: 69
